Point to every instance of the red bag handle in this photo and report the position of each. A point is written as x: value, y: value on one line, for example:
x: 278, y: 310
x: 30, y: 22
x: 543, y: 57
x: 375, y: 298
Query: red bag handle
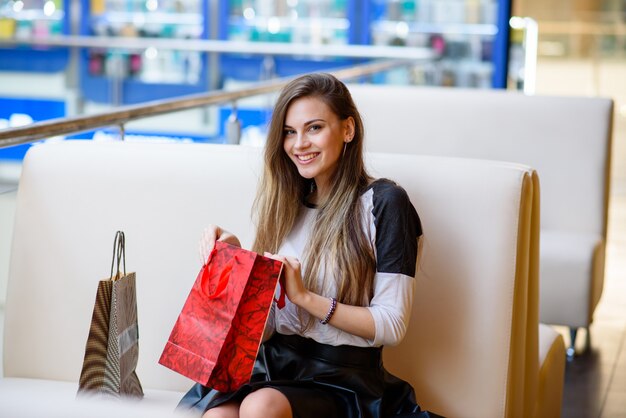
x: 280, y: 302
x: 222, y: 281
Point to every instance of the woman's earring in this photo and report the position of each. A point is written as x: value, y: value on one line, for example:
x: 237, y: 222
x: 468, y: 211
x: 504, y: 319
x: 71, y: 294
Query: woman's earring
x: 344, y: 149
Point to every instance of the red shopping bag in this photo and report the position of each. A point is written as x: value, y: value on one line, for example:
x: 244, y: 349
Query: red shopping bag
x: 217, y: 335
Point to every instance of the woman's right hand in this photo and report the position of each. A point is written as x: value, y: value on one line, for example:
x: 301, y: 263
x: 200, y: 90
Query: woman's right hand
x: 211, y: 234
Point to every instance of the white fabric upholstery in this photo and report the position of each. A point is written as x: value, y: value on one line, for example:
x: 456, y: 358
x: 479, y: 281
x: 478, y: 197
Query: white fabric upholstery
x: 73, y: 196
x: 566, y: 139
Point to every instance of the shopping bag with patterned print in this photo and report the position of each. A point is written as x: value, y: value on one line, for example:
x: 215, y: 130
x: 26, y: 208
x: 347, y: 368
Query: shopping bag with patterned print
x: 217, y: 335
x: 112, y: 348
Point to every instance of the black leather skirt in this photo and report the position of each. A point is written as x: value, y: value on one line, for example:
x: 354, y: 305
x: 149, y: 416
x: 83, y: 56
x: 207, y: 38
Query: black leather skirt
x: 320, y: 380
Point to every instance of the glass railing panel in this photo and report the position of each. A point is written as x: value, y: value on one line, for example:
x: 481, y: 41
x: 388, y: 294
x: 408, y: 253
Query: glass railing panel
x: 305, y: 21
x: 586, y: 35
x: 463, y: 32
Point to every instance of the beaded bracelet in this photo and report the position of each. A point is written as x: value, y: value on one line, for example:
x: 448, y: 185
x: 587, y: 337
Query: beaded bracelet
x: 331, y: 311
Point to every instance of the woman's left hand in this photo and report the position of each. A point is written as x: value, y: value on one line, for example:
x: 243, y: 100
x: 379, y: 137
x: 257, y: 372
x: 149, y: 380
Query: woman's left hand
x: 356, y: 320
x: 294, y: 287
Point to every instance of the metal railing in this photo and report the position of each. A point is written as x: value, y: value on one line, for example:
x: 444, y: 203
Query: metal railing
x: 122, y: 115
x: 231, y: 47
x: 395, y: 57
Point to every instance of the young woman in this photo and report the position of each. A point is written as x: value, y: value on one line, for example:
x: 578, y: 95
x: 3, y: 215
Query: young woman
x: 349, y: 245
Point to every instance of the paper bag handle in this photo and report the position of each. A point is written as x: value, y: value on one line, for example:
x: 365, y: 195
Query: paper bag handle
x: 280, y: 302
x: 222, y: 281
x: 119, y: 254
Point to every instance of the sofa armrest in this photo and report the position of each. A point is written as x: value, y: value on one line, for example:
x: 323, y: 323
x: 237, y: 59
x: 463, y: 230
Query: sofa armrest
x: 551, y: 373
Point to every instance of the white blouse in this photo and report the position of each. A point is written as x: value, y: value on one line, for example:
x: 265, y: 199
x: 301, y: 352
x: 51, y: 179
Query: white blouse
x: 393, y: 226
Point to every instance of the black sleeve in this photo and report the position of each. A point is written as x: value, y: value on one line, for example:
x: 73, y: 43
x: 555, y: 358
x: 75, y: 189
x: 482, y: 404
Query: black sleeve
x: 397, y: 226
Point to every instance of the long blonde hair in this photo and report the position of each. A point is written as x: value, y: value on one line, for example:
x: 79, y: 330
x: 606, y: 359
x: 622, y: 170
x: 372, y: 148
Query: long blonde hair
x: 338, y: 241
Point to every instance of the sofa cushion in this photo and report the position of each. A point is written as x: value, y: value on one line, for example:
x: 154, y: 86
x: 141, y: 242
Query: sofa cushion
x: 47, y: 398
x: 566, y: 265
x: 469, y: 297
x: 571, y: 154
x: 73, y: 196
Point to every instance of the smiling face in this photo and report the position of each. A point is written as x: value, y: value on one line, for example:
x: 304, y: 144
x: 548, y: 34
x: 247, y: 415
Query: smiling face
x: 314, y: 138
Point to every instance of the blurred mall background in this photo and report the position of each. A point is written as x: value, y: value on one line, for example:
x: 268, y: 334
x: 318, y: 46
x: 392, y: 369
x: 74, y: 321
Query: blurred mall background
x: 580, y: 50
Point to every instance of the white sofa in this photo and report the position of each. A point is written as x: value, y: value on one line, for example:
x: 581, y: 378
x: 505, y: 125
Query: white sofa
x: 477, y: 331
x: 566, y: 139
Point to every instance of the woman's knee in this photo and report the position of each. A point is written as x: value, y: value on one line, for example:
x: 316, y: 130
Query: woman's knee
x: 228, y: 410
x: 265, y: 403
